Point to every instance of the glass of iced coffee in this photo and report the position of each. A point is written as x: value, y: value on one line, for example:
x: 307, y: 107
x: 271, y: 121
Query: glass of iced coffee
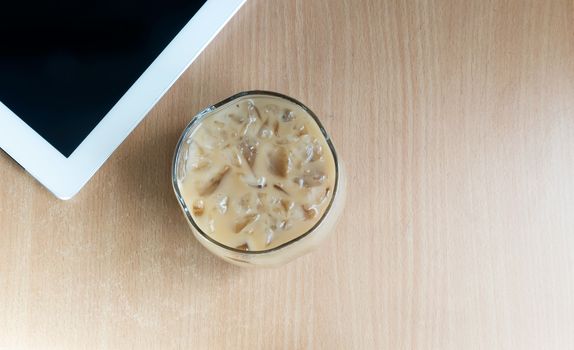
x: 258, y: 179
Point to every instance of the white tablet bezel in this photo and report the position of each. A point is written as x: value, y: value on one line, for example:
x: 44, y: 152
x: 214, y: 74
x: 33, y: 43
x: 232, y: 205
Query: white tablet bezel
x: 64, y: 177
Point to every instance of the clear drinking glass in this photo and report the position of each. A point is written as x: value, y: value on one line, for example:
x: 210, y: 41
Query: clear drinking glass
x: 288, y: 251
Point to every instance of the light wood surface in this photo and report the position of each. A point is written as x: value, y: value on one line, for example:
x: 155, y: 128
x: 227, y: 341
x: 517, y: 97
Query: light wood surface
x: 455, y: 120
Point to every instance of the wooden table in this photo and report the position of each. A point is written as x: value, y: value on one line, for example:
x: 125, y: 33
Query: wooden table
x: 455, y: 120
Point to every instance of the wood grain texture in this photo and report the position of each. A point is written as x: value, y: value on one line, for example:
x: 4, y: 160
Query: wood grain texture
x: 455, y: 120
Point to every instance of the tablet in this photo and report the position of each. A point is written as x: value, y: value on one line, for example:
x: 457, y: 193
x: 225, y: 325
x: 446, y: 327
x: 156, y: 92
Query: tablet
x: 77, y: 77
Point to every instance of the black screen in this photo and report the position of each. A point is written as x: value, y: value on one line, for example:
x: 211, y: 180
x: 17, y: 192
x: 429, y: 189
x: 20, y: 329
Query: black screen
x: 64, y: 64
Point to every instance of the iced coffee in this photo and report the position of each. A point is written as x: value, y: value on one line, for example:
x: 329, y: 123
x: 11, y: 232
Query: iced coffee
x: 256, y: 173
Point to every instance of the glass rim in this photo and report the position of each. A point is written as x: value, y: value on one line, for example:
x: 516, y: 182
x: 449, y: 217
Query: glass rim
x: 196, y: 120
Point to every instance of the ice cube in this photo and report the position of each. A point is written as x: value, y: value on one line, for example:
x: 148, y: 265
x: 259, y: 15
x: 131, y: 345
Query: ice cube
x: 233, y: 157
x: 248, y: 149
x: 279, y: 161
x: 262, y: 201
x: 198, y: 207
x: 311, y: 178
x: 265, y: 132
x: 246, y: 204
x: 247, y: 129
x: 317, y: 195
x: 292, y: 138
x: 287, y: 116
x: 221, y: 203
x: 272, y: 110
x: 208, y: 138
x: 239, y: 119
x: 196, y: 158
x: 296, y: 213
x: 287, y: 204
x: 252, y: 110
x: 211, y: 185
x: 300, y: 130
x: 282, y: 114
x: 313, y: 151
x: 242, y: 222
x: 254, y: 181
x: 281, y: 141
x: 218, y: 133
x: 269, y: 235
x: 282, y: 224
x: 288, y: 225
x: 244, y: 247
x: 279, y: 187
x: 309, y: 152
x: 277, y: 210
x: 200, y: 164
x: 309, y: 212
x: 302, y: 148
x: 219, y: 125
x: 211, y: 223
x: 318, y: 150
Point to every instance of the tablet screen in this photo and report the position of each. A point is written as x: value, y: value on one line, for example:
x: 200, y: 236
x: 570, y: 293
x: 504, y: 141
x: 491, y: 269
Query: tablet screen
x: 64, y: 64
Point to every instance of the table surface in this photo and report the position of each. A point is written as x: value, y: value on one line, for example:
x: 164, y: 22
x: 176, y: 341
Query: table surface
x: 455, y: 120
